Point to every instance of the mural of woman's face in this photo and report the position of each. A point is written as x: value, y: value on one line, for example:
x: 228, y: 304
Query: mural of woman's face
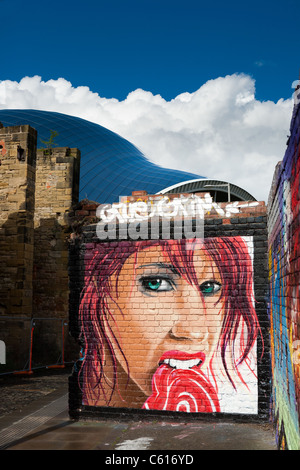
x: 159, y: 317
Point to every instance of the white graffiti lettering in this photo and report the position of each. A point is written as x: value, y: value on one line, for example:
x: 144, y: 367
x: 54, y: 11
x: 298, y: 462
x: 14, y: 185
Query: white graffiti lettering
x: 133, y: 218
x: 183, y: 206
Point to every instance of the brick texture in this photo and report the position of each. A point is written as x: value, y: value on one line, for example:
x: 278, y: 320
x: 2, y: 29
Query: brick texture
x: 135, y: 302
x: 284, y: 264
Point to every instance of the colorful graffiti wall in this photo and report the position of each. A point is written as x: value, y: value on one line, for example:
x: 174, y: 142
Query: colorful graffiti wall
x: 174, y: 325
x: 284, y: 272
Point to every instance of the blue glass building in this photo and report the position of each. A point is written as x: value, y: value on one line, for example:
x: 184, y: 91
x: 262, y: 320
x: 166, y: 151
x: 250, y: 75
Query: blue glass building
x: 110, y: 165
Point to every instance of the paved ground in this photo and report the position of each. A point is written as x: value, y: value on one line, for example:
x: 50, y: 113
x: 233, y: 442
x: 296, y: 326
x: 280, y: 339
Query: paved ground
x: 34, y: 416
x: 19, y: 391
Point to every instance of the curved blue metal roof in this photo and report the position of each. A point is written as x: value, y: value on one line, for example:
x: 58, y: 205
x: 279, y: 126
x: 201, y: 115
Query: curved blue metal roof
x: 110, y: 165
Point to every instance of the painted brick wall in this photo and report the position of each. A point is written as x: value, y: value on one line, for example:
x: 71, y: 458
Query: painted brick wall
x: 173, y: 325
x: 284, y: 267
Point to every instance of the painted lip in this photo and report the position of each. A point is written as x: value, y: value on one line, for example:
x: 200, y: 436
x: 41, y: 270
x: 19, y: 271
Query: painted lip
x: 182, y: 360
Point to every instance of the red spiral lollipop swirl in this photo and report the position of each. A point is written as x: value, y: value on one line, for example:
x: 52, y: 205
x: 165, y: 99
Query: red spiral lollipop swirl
x: 182, y: 386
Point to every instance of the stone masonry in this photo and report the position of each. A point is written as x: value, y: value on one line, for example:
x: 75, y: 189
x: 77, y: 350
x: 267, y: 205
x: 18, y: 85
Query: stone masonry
x: 57, y: 178
x: 37, y: 189
x: 17, y: 196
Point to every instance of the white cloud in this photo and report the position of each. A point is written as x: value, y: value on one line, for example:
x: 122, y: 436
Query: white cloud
x: 220, y: 131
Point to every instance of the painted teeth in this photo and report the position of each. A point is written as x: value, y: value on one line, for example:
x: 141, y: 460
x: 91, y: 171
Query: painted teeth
x: 178, y: 364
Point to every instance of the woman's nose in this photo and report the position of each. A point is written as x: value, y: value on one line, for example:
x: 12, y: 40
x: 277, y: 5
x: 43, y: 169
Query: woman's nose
x: 190, y: 318
x: 190, y: 327
x: 189, y: 331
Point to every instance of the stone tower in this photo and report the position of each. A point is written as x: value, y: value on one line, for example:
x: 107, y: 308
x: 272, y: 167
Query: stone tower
x: 37, y: 189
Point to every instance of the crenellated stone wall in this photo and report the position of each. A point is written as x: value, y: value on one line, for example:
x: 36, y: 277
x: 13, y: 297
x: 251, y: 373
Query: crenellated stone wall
x: 56, y: 191
x: 37, y: 189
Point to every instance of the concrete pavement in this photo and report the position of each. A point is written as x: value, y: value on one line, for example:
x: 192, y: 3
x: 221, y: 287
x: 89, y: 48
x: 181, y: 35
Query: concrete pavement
x: 45, y: 425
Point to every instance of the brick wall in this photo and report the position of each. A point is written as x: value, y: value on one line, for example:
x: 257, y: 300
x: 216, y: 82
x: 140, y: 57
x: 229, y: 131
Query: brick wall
x: 284, y: 264
x: 136, y: 301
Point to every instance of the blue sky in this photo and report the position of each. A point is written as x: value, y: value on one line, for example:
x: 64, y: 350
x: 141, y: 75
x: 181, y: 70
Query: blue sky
x: 200, y: 86
x: 163, y: 46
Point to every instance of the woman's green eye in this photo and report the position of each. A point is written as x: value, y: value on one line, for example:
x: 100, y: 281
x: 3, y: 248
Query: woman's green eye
x: 210, y: 287
x: 156, y: 284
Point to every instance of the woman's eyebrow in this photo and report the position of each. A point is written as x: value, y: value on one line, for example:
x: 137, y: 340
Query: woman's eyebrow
x: 161, y: 265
